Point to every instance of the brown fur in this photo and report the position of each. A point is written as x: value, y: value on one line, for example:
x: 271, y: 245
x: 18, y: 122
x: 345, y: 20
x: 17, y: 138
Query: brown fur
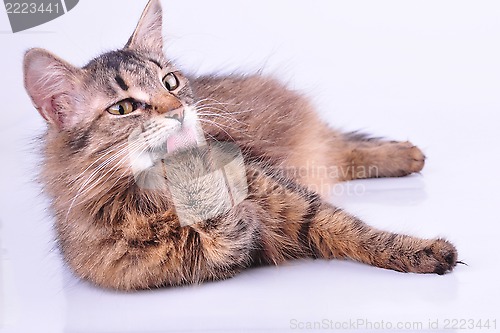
x: 118, y: 235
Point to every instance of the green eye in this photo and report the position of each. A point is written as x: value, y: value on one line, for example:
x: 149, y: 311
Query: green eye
x: 121, y: 108
x: 170, y: 81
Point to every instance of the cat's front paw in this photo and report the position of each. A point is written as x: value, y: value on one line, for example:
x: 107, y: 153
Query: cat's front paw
x: 439, y: 257
x: 410, y: 157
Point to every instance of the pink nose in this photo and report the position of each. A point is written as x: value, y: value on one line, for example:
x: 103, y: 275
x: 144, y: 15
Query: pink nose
x: 168, y: 106
x: 176, y: 114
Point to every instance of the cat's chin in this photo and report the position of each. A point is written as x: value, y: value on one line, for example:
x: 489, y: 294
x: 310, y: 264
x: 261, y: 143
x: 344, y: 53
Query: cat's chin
x: 184, y: 138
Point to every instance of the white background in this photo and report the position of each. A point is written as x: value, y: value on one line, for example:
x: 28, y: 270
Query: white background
x: 428, y: 71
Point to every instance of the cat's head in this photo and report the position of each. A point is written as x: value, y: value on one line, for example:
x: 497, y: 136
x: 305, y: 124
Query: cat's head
x: 130, y: 97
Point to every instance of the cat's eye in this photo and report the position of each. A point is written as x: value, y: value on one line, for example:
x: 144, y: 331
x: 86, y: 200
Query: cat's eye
x: 122, y: 108
x: 170, y: 81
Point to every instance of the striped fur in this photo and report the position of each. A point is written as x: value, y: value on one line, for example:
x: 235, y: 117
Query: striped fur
x: 120, y: 235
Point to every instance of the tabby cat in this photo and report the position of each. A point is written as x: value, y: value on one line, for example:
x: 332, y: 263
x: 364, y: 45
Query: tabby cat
x: 132, y: 144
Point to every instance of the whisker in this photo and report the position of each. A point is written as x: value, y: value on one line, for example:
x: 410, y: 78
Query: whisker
x: 84, y: 188
x: 123, y: 159
x: 221, y: 116
x: 225, y: 111
x: 217, y: 102
x: 216, y: 125
x: 97, y: 160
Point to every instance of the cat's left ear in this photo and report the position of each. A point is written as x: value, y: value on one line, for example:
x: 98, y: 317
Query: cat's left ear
x: 148, y: 33
x: 53, y: 85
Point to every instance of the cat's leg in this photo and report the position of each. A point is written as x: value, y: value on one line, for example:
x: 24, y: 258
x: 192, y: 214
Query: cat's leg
x: 332, y: 233
x: 361, y: 157
x: 295, y: 223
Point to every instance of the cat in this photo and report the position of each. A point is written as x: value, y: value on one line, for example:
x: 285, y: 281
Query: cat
x: 141, y: 162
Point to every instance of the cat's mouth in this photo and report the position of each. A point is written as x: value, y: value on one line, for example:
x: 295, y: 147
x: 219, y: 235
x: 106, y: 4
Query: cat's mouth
x: 182, y: 139
x: 159, y: 137
x: 167, y: 135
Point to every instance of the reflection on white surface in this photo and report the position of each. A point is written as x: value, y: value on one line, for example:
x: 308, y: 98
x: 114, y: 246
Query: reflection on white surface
x: 8, y: 300
x: 423, y: 71
x: 3, y: 303
x: 394, y: 192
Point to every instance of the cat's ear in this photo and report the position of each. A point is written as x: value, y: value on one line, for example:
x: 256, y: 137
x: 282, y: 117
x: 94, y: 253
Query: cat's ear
x: 51, y: 83
x: 148, y: 33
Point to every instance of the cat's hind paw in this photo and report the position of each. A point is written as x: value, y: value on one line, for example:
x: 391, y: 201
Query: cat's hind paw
x: 408, y: 157
x: 440, y: 257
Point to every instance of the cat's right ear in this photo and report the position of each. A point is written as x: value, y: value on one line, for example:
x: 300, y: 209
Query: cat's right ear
x: 51, y: 83
x: 148, y: 33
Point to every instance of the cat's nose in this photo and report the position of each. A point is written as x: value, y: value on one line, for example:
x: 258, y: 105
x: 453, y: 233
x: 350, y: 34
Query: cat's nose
x: 169, y: 108
x: 176, y: 114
